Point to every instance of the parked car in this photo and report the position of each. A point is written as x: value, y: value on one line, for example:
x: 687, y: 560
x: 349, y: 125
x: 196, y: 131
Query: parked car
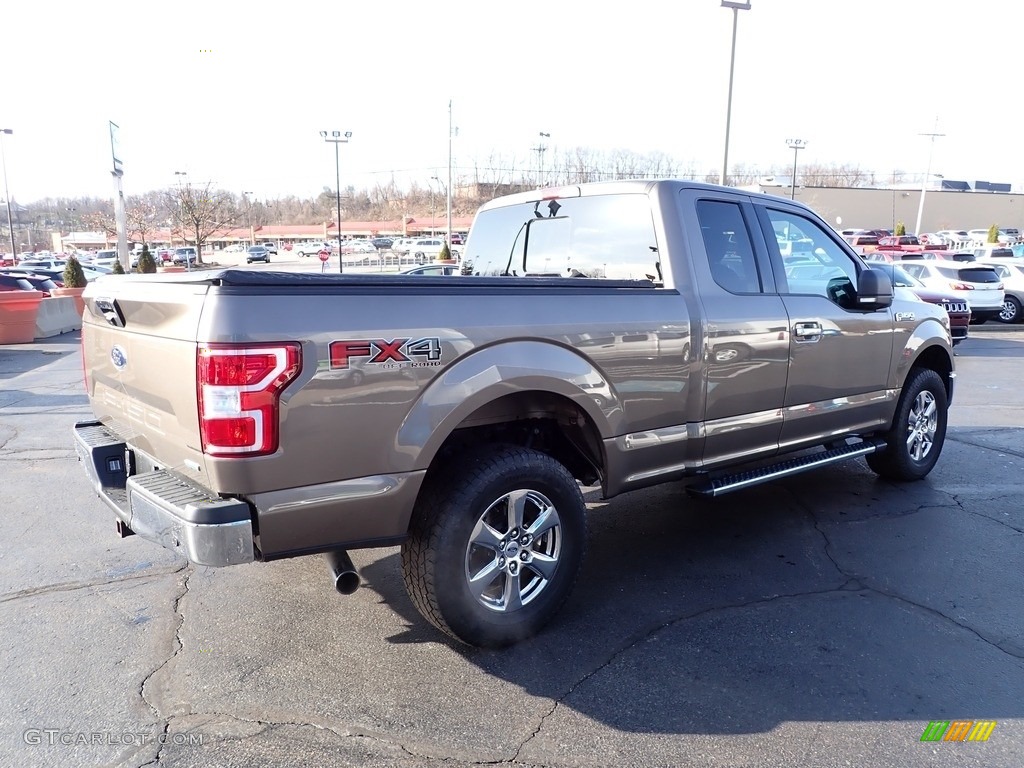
x: 184, y: 255
x: 37, y: 282
x: 955, y: 238
x: 1012, y: 275
x: 403, y: 244
x: 357, y: 246
x: 1010, y: 236
x: 432, y: 269
x: 44, y: 263
x: 978, y: 236
x: 313, y: 248
x: 270, y: 245
x: 976, y: 284
x: 429, y: 248
x: 105, y: 258
x: 458, y: 238
x: 15, y: 282
x: 257, y: 253
x: 897, y: 241
x: 382, y: 243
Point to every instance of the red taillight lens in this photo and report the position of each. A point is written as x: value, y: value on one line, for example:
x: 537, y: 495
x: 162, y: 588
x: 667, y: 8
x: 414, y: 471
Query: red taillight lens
x: 239, y: 390
x: 961, y: 287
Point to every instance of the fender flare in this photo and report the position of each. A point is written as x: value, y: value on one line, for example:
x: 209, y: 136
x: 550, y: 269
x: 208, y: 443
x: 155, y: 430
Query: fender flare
x: 490, y: 373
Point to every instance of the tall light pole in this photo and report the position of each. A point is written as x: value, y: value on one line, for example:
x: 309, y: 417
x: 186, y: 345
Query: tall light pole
x: 452, y: 132
x: 178, y: 175
x: 927, y: 175
x: 433, y: 178
x: 796, y: 145
x: 7, y: 192
x: 737, y: 6
x: 337, y: 138
x: 248, y: 217
x: 540, y: 149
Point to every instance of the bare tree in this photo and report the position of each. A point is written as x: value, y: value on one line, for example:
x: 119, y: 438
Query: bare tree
x: 141, y: 216
x: 203, y: 212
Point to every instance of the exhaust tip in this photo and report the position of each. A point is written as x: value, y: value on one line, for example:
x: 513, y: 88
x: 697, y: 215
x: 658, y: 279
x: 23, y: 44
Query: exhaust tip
x: 343, y: 572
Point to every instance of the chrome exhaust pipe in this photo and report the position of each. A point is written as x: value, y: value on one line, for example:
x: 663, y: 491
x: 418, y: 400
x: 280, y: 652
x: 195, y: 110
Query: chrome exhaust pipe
x: 345, y: 575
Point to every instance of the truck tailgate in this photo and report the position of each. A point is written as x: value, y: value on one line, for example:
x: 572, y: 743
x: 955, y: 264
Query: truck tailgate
x: 139, y: 347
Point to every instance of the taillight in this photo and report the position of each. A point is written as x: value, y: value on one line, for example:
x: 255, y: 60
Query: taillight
x: 961, y: 287
x: 239, y: 388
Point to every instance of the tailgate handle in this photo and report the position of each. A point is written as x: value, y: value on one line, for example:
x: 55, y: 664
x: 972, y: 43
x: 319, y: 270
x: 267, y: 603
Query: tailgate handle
x: 110, y: 311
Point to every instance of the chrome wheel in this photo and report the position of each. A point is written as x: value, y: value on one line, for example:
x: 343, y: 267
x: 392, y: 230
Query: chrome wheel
x: 922, y: 424
x: 513, y: 550
x: 1010, y: 312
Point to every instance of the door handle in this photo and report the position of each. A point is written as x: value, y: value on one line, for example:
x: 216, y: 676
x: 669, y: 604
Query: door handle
x: 807, y: 331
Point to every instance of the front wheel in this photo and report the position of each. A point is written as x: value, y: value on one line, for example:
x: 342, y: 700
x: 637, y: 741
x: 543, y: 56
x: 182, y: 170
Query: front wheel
x: 495, y: 545
x: 914, y: 442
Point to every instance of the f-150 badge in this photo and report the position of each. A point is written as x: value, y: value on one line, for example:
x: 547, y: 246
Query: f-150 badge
x: 396, y: 353
x: 901, y: 316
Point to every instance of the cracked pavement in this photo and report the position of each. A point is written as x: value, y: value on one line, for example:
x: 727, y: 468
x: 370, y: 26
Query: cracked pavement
x: 821, y: 620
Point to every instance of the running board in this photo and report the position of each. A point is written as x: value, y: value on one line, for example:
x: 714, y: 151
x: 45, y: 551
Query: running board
x: 722, y: 484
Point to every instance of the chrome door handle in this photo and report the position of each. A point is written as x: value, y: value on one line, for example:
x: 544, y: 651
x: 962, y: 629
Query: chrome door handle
x: 807, y: 331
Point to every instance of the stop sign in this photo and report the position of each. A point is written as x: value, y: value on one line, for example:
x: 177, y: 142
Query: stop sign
x: 324, y: 255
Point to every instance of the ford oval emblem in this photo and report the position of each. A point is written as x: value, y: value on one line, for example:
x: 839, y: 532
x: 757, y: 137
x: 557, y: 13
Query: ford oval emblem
x: 118, y: 357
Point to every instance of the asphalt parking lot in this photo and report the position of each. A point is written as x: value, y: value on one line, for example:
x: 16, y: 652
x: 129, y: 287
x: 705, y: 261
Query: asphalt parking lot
x: 823, y: 620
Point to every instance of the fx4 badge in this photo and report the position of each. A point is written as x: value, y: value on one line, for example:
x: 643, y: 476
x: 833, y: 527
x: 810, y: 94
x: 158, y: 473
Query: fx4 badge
x: 396, y: 353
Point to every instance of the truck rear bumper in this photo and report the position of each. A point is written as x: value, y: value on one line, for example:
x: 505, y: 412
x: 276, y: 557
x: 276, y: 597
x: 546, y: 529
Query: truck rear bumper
x: 164, y: 507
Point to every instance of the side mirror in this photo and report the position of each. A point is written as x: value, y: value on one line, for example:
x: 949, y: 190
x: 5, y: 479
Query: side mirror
x: 874, y: 290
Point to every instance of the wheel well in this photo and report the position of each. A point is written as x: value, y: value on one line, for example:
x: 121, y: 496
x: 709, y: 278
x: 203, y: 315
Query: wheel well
x: 937, y: 360
x: 546, y: 422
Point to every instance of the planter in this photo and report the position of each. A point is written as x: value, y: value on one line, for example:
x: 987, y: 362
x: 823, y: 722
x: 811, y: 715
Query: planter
x: 170, y: 269
x: 446, y: 261
x: 18, y: 313
x: 75, y: 293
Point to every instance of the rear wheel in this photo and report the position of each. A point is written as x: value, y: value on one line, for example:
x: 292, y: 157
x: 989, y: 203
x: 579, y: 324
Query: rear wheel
x: 1011, y: 310
x: 914, y: 442
x: 495, y: 546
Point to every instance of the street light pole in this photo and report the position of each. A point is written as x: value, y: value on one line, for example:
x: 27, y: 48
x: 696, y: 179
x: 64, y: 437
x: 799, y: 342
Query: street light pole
x: 248, y: 217
x: 448, y: 191
x: 737, y: 6
x: 336, y: 138
x: 927, y: 175
x: 796, y: 145
x: 7, y: 193
x: 181, y: 219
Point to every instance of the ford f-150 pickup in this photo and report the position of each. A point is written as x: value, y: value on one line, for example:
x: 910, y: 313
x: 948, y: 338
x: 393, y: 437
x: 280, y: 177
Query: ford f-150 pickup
x: 615, y: 335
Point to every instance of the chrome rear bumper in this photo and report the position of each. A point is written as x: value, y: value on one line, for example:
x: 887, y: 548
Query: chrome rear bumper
x: 164, y: 507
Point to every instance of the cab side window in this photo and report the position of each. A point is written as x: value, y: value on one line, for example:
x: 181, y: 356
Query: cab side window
x: 813, y: 262
x: 727, y: 243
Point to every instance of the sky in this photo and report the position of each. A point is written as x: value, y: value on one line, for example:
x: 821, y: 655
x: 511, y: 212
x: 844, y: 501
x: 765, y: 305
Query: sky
x: 237, y: 94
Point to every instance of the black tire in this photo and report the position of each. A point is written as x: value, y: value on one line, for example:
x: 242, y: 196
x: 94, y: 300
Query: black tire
x: 918, y: 431
x: 1011, y: 310
x: 475, y: 497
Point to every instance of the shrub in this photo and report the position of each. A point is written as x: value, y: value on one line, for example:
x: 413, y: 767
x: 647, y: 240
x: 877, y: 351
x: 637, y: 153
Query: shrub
x: 146, y: 261
x: 445, y: 253
x: 901, y: 228
x: 118, y: 268
x: 74, y: 275
x: 993, y: 233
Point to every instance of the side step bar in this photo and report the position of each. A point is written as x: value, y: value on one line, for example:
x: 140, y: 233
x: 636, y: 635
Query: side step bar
x: 722, y: 484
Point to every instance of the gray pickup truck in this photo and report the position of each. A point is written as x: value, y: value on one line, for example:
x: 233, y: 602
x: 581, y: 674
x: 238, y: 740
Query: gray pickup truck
x: 614, y: 335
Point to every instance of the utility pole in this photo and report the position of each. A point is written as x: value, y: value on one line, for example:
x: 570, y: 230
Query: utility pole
x: 452, y: 132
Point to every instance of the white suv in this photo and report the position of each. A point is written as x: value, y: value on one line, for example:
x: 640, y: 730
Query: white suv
x: 429, y: 248
x: 977, y: 284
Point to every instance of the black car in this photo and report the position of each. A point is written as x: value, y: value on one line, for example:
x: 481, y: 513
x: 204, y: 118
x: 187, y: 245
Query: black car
x: 382, y: 243
x: 26, y: 281
x: 257, y: 253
